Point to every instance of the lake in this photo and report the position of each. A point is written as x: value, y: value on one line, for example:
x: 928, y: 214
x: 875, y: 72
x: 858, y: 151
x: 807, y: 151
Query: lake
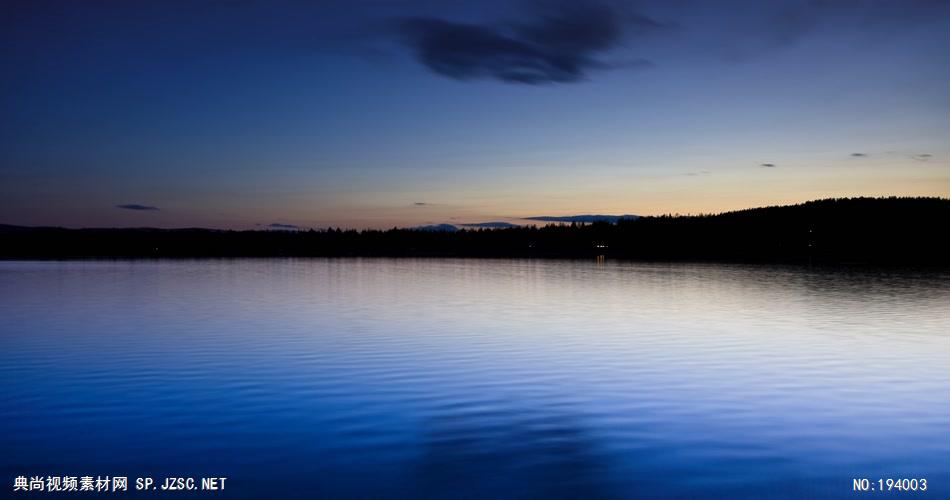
x: 388, y: 378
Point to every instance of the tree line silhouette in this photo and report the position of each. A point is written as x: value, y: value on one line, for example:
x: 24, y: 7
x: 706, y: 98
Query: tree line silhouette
x: 843, y: 230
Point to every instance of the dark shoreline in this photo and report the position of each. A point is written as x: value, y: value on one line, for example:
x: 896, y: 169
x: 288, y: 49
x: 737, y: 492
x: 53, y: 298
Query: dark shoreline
x: 852, y: 232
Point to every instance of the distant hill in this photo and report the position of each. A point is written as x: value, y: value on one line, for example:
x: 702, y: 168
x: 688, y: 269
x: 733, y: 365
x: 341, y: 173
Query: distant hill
x: 901, y: 231
x: 445, y: 228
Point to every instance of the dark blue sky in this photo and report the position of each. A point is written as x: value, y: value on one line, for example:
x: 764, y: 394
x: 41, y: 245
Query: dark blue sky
x: 381, y: 113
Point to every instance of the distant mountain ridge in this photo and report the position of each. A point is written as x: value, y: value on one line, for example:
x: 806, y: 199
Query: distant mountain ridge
x: 445, y: 228
x: 583, y: 218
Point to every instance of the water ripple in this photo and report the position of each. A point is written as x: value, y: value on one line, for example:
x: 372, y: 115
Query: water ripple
x: 383, y: 378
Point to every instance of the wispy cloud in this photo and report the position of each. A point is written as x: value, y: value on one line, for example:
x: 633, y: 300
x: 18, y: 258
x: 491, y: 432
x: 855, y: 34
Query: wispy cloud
x: 922, y: 157
x: 777, y: 25
x: 136, y: 206
x: 858, y: 155
x: 768, y: 165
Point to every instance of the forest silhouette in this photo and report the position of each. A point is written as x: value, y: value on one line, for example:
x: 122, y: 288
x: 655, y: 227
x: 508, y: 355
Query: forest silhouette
x: 893, y: 230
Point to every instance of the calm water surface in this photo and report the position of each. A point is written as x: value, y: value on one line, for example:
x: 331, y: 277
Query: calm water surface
x: 476, y: 378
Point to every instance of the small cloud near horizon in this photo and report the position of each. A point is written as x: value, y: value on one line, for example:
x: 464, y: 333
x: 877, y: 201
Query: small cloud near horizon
x: 922, y: 156
x: 858, y: 155
x: 420, y: 204
x: 136, y: 206
x: 768, y: 165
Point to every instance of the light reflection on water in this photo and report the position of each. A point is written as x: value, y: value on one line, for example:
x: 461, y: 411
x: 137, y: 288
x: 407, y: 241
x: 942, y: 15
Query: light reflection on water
x: 476, y: 378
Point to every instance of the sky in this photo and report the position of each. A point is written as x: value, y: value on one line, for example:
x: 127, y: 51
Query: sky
x: 373, y: 114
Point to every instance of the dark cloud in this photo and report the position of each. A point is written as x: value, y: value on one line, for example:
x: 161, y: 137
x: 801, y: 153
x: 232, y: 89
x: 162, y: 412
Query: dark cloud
x: 558, y: 46
x: 768, y: 165
x: 858, y: 155
x: 135, y: 206
x: 922, y: 157
x: 420, y: 203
